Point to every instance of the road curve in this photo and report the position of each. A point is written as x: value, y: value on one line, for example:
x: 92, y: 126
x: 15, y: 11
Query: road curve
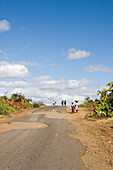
x: 48, y: 148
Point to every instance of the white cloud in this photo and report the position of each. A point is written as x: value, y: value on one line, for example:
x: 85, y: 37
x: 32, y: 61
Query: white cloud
x: 71, y: 50
x: 48, y: 96
x: 3, y: 91
x: 27, y: 63
x: 4, y: 25
x: 47, y: 89
x: 65, y: 89
x: 46, y: 82
x: 16, y: 84
x: 4, y: 63
x: 43, y: 78
x: 94, y: 68
x: 13, y: 70
x: 73, y: 54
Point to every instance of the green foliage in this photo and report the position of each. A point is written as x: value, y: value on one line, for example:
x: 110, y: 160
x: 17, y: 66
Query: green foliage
x: 16, y: 107
x: 105, y: 106
x: 35, y: 104
x: 4, y: 109
x: 19, y: 98
x: 15, y: 102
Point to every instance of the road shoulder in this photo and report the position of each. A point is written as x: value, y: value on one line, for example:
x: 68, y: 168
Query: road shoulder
x: 98, y: 153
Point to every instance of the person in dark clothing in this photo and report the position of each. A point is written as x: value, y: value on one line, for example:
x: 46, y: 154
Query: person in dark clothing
x: 65, y: 102
x: 72, y: 107
x: 62, y: 102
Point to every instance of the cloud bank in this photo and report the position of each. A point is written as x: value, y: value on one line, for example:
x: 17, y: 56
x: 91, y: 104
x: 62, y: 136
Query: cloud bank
x: 47, y: 89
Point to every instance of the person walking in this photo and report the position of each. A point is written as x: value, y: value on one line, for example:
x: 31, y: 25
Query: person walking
x: 76, y: 106
x: 65, y: 102
x: 62, y: 102
x: 72, y: 107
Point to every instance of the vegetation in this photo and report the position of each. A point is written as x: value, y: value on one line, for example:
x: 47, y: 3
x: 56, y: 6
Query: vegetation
x: 15, y: 102
x: 4, y: 109
x: 90, y: 103
x: 104, y: 108
x: 35, y: 104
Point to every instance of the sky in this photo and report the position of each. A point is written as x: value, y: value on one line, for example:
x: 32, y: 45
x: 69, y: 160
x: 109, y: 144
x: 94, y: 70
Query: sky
x: 53, y: 50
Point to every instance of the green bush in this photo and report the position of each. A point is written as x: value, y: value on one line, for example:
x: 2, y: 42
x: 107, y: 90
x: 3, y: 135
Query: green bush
x: 104, y: 107
x: 17, y: 108
x: 35, y: 104
x: 19, y: 98
x: 15, y: 102
x: 4, y: 109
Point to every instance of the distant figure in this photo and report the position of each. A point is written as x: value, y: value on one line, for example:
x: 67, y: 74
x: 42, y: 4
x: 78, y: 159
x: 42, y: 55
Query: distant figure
x: 76, y: 106
x: 72, y: 107
x: 65, y: 102
x: 62, y: 102
x: 53, y: 103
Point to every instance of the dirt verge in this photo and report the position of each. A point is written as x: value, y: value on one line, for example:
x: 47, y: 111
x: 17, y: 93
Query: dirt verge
x: 22, y: 125
x: 96, y: 136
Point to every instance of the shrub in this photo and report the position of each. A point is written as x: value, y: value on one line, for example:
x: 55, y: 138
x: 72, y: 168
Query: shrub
x: 4, y: 109
x: 35, y: 104
x: 89, y: 103
x: 104, y: 107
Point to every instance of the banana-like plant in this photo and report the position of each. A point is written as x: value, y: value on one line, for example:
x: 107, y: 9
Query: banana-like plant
x: 105, y: 106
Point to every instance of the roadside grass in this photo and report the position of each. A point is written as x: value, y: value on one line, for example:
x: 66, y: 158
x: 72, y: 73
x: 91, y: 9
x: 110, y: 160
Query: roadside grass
x: 100, y: 132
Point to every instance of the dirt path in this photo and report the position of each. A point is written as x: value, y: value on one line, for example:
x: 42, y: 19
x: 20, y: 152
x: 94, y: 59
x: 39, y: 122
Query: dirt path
x: 96, y: 136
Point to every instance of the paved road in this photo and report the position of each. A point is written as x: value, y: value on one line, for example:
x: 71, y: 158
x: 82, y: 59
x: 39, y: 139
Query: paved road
x: 48, y: 148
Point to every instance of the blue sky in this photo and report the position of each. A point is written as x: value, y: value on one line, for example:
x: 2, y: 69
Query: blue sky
x: 54, y: 50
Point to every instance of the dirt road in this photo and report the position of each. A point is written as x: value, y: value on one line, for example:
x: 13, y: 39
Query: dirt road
x: 39, y: 141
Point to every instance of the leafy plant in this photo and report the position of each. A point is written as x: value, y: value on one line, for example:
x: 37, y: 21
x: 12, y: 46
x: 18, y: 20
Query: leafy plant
x: 15, y: 102
x: 89, y: 103
x: 104, y: 107
x: 35, y: 104
x: 4, y: 109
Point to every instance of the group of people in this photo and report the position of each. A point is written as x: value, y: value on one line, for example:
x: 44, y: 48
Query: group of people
x: 63, y: 102
x: 74, y: 106
x: 54, y: 103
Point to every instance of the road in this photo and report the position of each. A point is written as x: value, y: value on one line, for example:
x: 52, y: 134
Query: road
x: 45, y: 148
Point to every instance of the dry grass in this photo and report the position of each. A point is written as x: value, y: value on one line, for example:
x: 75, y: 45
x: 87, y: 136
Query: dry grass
x: 97, y: 136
